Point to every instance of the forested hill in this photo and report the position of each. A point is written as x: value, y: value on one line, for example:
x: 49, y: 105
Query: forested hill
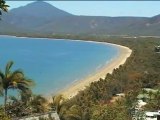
x: 41, y: 17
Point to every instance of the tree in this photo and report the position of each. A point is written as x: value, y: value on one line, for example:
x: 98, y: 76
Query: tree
x: 73, y: 113
x: 26, y: 97
x: 39, y: 104
x: 3, y: 6
x: 57, y: 102
x: 13, y: 80
x: 115, y: 111
x: 150, y: 93
x: 67, y: 110
x: 157, y: 99
x: 3, y: 116
x: 18, y: 107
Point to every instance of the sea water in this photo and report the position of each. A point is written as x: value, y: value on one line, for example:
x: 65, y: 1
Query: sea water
x: 54, y: 64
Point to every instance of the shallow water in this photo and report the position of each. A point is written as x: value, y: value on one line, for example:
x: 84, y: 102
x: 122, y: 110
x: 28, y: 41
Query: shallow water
x: 54, y: 64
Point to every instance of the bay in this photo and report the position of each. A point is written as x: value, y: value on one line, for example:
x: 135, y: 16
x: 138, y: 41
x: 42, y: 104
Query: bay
x: 54, y: 64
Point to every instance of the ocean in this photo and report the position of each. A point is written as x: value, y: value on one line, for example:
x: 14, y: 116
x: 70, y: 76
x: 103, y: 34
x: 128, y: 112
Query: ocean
x: 54, y: 64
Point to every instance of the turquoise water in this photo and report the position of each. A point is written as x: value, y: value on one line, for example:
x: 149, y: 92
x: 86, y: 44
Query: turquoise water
x: 54, y: 64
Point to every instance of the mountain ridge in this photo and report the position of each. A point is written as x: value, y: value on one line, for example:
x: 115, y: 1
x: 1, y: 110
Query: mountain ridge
x: 42, y: 17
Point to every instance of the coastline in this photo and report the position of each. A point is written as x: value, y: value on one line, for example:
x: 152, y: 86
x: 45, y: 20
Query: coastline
x: 73, y: 89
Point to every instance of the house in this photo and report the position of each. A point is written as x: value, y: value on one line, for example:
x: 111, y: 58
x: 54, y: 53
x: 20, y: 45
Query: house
x: 157, y: 49
x: 117, y: 96
x: 138, y: 112
x: 152, y: 115
x: 52, y: 115
x: 145, y: 94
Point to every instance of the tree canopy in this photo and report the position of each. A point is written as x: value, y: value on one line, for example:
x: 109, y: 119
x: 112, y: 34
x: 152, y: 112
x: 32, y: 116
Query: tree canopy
x: 3, y: 6
x: 13, y: 80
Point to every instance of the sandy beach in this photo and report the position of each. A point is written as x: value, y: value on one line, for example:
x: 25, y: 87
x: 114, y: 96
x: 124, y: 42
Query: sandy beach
x: 73, y: 89
x: 124, y: 53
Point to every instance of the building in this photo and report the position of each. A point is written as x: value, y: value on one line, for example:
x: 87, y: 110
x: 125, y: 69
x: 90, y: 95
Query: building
x: 157, y: 49
x: 152, y: 115
x: 48, y: 115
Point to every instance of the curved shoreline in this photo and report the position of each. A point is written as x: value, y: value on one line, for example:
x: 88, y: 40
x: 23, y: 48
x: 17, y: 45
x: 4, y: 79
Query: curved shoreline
x: 74, y: 88
x: 124, y: 53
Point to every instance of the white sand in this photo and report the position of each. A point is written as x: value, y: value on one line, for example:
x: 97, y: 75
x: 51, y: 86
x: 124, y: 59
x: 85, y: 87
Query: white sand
x: 72, y: 90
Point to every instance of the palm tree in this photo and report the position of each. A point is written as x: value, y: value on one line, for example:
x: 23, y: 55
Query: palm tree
x: 57, y: 102
x: 60, y: 105
x: 26, y: 97
x: 20, y: 106
x: 3, y: 6
x: 39, y: 104
x: 13, y: 80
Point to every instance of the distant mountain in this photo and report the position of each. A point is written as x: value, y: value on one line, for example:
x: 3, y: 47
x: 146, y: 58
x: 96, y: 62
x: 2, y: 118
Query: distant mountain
x: 41, y: 17
x: 34, y: 15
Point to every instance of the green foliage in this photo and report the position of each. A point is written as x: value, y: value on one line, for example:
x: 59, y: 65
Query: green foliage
x: 140, y: 70
x: 3, y: 116
x: 38, y: 104
x: 20, y: 107
x: 154, y: 101
x: 13, y: 80
x: 57, y: 103
x: 33, y: 105
x: 115, y: 111
x: 94, y: 103
x: 73, y: 113
x: 3, y: 7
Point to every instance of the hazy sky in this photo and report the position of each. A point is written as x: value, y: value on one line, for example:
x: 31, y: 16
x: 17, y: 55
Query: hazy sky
x: 103, y: 8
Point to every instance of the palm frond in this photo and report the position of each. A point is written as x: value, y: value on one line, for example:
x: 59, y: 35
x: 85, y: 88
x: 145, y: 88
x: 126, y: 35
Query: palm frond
x: 27, y: 82
x: 3, y: 5
x: 1, y: 79
x: 40, y: 98
x: 8, y: 67
x: 13, y: 98
x: 30, y: 82
x: 17, y: 74
x: 1, y: 88
x: 22, y: 88
x: 57, y: 99
x: 2, y: 75
x: 19, y: 80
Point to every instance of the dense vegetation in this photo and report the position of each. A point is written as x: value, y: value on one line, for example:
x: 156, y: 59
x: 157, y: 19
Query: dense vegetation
x: 141, y: 70
x: 94, y: 103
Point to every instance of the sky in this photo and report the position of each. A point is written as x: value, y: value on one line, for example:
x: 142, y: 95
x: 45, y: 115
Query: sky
x: 102, y: 8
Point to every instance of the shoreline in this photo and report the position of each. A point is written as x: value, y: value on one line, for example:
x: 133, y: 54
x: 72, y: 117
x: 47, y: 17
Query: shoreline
x: 73, y: 89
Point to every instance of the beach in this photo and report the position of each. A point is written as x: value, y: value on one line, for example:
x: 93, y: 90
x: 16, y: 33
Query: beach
x: 124, y: 53
x: 80, y: 84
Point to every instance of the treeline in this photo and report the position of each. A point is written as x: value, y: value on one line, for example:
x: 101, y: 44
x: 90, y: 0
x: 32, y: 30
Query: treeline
x: 141, y: 70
